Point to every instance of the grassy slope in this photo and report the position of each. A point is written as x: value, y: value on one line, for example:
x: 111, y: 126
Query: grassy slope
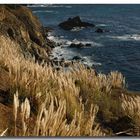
x: 45, y: 102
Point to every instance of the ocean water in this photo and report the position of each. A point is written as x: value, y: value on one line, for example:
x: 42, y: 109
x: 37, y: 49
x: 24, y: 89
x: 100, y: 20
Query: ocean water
x: 118, y: 49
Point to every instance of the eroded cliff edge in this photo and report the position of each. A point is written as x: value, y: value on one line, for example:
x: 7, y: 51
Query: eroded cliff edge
x: 21, y: 26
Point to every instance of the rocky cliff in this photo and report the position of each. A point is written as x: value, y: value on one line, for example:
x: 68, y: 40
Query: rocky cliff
x: 21, y: 26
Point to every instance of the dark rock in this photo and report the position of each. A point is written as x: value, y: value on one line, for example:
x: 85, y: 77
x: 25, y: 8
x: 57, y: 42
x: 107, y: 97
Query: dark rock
x: 82, y: 59
x: 10, y: 33
x: 50, y: 43
x: 55, y: 58
x: 58, y: 68
x: 76, y: 58
x: 67, y: 63
x: 79, y: 45
x: 99, y: 30
x: 59, y: 44
x: 88, y: 44
x: 62, y: 59
x: 48, y: 29
x: 88, y: 67
x: 56, y: 62
x: 74, y: 22
x: 120, y: 124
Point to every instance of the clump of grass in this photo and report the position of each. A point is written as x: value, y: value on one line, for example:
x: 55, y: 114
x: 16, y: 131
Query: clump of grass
x: 131, y: 107
x: 15, y: 111
x: 99, y: 89
x: 53, y: 121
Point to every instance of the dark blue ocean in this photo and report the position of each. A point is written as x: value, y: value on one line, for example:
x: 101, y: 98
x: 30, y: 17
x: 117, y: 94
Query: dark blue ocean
x: 118, y: 49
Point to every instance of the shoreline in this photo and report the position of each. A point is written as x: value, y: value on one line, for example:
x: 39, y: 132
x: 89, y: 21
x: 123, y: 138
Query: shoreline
x: 64, y: 62
x: 42, y: 101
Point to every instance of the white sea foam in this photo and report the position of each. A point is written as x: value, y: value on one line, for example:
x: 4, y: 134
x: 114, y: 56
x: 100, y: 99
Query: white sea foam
x: 65, y: 42
x: 103, y: 25
x: 59, y: 40
x: 127, y: 37
x: 69, y: 54
x: 48, y: 5
x: 88, y: 61
x: 38, y: 5
x: 75, y: 41
x: 77, y: 29
x: 43, y: 11
x: 60, y: 6
x: 63, y: 52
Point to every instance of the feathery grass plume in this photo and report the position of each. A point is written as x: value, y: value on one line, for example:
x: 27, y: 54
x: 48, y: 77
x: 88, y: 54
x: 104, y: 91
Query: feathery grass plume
x: 53, y: 121
x: 25, y: 114
x: 15, y: 110
x: 131, y: 107
x: 87, y: 123
x: 117, y: 79
x: 4, y: 132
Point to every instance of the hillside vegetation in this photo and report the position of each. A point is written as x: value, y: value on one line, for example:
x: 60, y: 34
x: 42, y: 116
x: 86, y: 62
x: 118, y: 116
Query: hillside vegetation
x: 37, y: 100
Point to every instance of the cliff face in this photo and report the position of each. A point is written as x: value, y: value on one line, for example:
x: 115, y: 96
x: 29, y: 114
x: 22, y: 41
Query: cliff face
x: 20, y: 25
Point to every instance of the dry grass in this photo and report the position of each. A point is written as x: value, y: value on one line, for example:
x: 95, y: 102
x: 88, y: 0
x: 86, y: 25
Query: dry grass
x: 4, y: 132
x: 131, y: 107
x: 59, y: 103
x: 53, y: 122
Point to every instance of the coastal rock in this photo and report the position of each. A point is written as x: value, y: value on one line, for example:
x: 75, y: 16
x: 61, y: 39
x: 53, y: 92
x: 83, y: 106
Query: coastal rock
x: 48, y: 29
x: 74, y: 22
x: 62, y: 59
x: 87, y: 44
x: 99, y: 30
x: 79, y: 45
x: 76, y: 58
x: 55, y: 58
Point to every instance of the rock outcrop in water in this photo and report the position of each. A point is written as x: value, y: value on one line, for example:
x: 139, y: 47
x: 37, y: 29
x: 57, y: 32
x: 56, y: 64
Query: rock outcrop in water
x: 79, y: 45
x: 74, y: 22
x: 21, y: 26
x: 99, y: 30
